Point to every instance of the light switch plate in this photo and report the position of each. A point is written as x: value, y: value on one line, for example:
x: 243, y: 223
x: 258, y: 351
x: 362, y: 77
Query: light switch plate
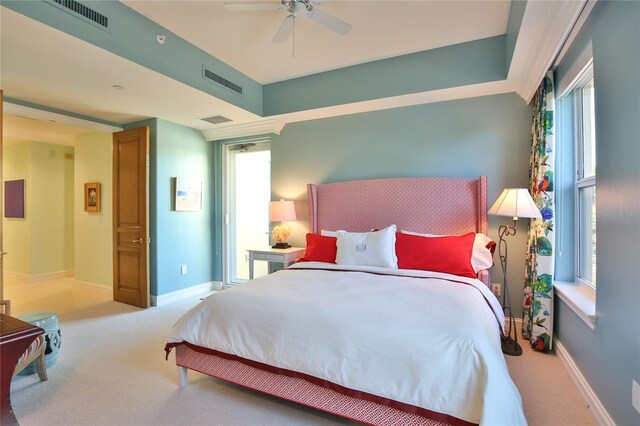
x: 183, y: 269
x: 635, y: 396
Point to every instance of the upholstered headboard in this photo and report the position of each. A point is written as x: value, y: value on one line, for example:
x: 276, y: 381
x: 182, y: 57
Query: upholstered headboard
x: 430, y: 205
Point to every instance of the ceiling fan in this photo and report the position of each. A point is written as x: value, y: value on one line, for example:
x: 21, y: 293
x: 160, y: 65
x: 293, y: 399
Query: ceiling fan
x: 295, y: 8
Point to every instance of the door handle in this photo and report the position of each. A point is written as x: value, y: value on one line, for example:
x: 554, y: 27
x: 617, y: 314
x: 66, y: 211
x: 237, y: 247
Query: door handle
x: 3, y: 254
x: 139, y: 240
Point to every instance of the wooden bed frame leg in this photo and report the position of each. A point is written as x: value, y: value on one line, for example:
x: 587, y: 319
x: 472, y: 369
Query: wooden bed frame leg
x: 182, y: 376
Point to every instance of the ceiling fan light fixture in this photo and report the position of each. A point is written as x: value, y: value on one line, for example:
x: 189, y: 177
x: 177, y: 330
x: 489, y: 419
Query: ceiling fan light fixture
x: 299, y: 8
x: 295, y: 8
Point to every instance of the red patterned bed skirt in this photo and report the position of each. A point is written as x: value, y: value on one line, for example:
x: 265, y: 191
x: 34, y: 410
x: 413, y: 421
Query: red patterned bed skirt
x: 301, y: 391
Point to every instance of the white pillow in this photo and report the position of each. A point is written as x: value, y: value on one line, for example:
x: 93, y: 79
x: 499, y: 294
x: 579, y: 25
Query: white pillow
x: 326, y: 233
x: 368, y: 248
x: 481, y: 256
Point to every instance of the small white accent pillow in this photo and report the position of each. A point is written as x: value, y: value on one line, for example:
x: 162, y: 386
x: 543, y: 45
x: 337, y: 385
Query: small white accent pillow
x: 326, y: 233
x: 481, y: 256
x: 368, y: 248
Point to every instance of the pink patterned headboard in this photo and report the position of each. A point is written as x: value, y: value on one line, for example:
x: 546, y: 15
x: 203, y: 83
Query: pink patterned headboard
x: 429, y: 205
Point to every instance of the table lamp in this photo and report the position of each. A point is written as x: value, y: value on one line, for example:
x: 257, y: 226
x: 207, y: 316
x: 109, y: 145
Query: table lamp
x: 515, y: 203
x: 281, y: 211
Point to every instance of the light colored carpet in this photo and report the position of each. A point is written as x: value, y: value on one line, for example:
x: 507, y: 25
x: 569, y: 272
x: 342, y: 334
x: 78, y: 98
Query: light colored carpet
x: 112, y: 371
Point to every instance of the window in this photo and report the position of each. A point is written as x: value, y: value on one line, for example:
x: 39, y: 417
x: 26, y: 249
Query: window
x: 585, y: 183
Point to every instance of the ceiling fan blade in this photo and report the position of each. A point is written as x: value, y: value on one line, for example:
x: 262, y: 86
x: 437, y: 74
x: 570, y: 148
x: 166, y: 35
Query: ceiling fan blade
x: 284, y: 30
x: 251, y: 6
x: 334, y: 24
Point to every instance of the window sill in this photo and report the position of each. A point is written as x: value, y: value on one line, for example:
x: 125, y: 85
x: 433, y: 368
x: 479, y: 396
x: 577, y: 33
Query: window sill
x: 580, y: 298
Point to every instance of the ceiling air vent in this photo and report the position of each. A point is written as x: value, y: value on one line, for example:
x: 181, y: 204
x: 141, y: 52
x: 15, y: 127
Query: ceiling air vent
x: 216, y: 119
x: 83, y: 12
x: 211, y: 76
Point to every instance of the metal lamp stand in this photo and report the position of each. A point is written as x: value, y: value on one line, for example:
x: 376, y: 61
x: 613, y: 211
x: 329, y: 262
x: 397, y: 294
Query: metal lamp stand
x: 510, y: 345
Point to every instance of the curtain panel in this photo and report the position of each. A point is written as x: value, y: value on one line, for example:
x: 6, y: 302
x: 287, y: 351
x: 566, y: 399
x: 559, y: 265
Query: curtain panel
x: 537, y: 321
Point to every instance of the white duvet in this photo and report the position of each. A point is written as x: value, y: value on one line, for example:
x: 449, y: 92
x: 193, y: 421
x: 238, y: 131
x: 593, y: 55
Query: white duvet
x: 414, y: 337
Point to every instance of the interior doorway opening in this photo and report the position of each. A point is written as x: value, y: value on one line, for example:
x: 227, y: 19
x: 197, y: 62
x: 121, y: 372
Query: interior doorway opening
x: 55, y: 246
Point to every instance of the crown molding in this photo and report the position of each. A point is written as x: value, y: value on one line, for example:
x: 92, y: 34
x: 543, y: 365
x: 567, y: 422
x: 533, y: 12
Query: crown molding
x: 228, y: 131
x: 575, y: 30
x: 544, y: 30
x: 43, y: 115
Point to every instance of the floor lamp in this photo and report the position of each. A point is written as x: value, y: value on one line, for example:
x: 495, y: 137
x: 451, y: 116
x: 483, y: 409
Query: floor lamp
x: 515, y: 203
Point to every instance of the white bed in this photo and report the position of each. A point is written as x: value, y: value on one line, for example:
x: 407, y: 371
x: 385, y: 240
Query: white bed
x: 378, y: 345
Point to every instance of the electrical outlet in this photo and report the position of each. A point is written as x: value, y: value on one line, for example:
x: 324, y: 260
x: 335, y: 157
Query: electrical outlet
x: 496, y: 288
x: 635, y: 395
x: 183, y: 269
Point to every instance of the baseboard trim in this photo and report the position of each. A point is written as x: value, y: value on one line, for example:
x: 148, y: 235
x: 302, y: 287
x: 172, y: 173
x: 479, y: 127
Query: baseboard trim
x: 102, y: 287
x: 196, y: 290
x: 41, y: 277
x: 598, y: 410
x: 588, y: 395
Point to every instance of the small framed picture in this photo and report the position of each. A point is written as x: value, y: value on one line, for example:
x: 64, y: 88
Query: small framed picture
x: 92, y: 197
x: 188, y: 196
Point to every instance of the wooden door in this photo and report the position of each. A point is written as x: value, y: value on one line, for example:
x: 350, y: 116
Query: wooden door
x: 130, y: 233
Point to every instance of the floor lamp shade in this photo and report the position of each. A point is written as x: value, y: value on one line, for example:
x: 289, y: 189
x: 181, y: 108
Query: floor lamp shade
x: 515, y: 202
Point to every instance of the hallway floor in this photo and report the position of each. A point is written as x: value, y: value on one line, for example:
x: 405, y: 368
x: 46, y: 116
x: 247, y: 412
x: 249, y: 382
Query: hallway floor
x: 60, y: 295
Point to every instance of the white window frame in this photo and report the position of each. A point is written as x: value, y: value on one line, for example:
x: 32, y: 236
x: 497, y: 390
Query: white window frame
x: 580, y: 181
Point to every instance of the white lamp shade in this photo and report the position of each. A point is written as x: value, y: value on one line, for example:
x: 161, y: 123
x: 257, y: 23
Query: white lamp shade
x: 282, y: 211
x: 515, y: 202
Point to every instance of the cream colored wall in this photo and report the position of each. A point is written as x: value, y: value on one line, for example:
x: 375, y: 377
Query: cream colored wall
x: 42, y: 242
x: 51, y: 210
x: 93, y: 231
x: 16, y: 232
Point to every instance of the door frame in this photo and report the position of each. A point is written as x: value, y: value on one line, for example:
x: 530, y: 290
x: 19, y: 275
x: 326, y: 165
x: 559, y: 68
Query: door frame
x: 223, y: 188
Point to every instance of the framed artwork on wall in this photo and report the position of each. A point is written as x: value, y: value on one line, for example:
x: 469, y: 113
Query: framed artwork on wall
x: 14, y: 198
x: 188, y: 195
x: 92, y: 197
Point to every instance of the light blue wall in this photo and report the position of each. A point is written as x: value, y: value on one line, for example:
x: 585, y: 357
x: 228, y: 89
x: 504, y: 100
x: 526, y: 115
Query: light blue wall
x: 461, y: 64
x: 184, y: 238
x: 133, y: 36
x: 609, y: 356
x: 178, y: 238
x: 464, y: 138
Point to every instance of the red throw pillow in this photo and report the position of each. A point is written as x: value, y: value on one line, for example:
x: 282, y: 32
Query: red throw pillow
x: 451, y: 255
x: 320, y: 249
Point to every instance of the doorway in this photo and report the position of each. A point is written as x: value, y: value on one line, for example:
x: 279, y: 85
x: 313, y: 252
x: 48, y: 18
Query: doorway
x: 247, y: 192
x: 59, y: 255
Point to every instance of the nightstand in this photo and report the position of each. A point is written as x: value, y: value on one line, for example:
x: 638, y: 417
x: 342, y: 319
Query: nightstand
x: 268, y: 254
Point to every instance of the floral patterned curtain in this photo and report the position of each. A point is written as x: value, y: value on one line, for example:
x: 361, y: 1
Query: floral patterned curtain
x: 537, y: 321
